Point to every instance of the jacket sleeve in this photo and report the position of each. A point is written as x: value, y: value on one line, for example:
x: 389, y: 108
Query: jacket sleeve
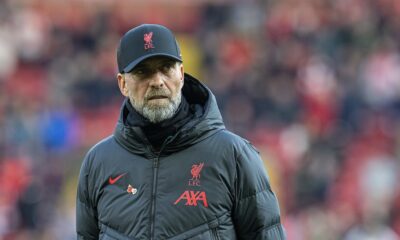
x: 86, y: 213
x: 256, y: 213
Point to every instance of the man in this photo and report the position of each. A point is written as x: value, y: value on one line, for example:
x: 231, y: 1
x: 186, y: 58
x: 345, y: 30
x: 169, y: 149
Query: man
x: 171, y: 170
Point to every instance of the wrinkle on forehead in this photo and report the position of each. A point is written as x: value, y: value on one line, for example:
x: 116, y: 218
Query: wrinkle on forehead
x: 154, y: 62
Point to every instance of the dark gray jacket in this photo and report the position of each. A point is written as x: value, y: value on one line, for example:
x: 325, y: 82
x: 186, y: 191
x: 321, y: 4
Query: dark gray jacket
x: 205, y: 183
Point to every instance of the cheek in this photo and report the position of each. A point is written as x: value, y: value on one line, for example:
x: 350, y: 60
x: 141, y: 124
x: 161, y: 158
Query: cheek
x: 175, y: 88
x: 177, y: 84
x: 137, y: 92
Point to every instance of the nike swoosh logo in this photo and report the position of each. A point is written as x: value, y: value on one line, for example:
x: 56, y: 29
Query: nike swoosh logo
x: 114, y: 180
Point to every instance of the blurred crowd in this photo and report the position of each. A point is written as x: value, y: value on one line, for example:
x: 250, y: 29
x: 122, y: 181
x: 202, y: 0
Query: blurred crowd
x: 314, y: 84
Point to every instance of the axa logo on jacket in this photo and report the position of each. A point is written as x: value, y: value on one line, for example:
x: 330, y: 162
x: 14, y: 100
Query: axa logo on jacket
x: 191, y: 196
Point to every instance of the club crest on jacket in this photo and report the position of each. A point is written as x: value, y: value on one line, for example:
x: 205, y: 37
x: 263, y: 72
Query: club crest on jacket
x: 195, y: 171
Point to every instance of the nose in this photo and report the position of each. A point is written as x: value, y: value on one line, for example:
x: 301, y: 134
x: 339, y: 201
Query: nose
x: 157, y: 80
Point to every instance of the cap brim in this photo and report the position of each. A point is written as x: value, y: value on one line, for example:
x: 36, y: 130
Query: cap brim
x: 133, y: 64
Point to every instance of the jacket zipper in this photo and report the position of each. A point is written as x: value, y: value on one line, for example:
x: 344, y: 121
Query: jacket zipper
x: 154, y: 189
x: 153, y: 197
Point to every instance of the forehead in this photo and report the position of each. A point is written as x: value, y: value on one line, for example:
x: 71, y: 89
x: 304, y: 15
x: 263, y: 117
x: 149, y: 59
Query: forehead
x: 154, y: 62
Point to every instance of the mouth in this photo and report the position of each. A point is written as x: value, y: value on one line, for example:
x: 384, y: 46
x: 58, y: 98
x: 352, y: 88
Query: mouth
x: 157, y: 97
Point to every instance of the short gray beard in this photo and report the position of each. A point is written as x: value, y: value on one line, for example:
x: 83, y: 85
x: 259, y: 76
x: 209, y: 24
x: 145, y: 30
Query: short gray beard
x: 156, y: 114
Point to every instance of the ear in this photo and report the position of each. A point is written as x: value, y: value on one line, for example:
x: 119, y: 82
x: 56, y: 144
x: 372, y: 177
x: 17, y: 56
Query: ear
x: 122, y: 84
x: 182, y: 72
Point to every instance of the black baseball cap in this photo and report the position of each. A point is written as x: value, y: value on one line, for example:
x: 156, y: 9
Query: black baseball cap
x: 145, y: 41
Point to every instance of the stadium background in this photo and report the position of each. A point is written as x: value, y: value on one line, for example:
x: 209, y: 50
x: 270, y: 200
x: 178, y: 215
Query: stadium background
x: 314, y: 84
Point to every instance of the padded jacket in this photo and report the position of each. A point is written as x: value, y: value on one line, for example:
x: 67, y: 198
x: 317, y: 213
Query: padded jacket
x: 205, y: 183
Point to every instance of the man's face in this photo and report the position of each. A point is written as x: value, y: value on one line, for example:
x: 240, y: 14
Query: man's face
x: 154, y: 87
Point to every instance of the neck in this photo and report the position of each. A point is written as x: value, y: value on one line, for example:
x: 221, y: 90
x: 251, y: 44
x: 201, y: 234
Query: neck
x: 156, y: 133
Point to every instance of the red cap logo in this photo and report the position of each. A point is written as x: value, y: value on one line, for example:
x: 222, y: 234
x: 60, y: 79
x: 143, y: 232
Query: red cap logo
x: 148, y: 42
